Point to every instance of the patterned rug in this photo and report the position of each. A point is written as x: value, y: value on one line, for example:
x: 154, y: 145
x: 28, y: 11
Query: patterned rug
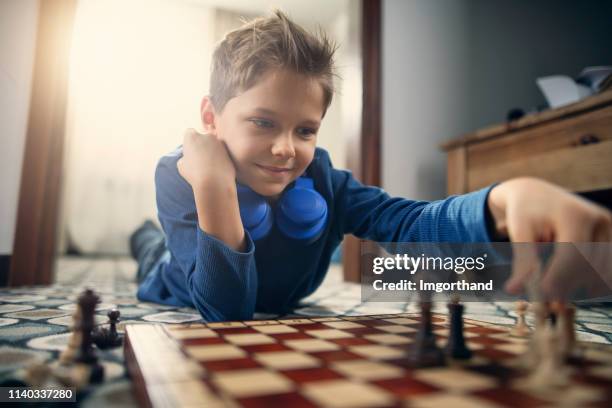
x: 35, y: 321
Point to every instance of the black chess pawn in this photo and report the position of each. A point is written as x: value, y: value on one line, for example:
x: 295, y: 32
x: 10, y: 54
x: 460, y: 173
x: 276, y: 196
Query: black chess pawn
x: 109, y: 338
x: 456, y: 347
x: 113, y: 319
x: 425, y: 352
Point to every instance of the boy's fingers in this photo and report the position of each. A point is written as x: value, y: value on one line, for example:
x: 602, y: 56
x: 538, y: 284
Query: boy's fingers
x: 603, y: 228
x: 560, y: 278
x: 525, y: 260
x: 578, y: 261
x: 189, y: 133
x: 191, y: 137
x: 558, y: 281
x: 525, y: 263
x: 601, y: 251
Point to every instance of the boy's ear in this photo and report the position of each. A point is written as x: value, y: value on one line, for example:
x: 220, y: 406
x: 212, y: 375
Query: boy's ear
x: 208, y: 115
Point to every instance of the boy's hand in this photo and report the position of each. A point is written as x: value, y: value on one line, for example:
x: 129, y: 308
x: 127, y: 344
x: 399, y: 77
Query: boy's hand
x: 532, y: 210
x: 205, y: 160
x: 207, y: 166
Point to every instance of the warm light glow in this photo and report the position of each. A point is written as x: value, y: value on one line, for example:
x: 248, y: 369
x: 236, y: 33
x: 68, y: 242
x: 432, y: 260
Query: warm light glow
x: 138, y: 71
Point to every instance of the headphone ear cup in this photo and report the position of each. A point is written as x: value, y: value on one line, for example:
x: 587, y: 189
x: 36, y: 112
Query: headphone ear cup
x: 255, y: 213
x: 302, y: 212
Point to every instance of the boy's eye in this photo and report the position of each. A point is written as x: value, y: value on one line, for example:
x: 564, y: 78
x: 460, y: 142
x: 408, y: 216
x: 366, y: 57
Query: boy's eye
x: 306, y: 132
x: 262, y: 123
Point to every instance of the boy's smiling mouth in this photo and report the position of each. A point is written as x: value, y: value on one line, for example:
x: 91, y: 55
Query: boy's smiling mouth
x: 276, y: 174
x: 275, y: 169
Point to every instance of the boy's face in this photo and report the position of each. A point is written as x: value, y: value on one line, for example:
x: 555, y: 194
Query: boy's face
x: 270, y: 130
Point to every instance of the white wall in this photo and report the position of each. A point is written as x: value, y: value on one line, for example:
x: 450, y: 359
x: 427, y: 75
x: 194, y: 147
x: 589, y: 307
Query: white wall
x: 424, y: 57
x: 18, y: 21
x: 453, y: 66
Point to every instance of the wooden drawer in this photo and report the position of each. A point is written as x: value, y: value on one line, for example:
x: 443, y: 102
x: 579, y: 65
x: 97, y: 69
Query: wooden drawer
x: 554, y: 151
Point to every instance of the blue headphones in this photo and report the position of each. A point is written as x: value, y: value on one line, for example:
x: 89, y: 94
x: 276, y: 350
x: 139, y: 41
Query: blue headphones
x: 301, y: 212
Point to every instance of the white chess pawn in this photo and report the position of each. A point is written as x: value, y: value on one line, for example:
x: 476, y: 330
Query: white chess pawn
x: 521, y: 329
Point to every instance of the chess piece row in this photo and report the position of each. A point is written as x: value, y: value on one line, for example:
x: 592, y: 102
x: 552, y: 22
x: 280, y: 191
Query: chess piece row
x: 553, y: 340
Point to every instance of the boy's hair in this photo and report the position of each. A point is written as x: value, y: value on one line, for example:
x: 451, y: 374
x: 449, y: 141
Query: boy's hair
x: 262, y: 44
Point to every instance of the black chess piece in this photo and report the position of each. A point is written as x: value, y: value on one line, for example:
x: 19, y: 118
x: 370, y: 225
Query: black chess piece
x: 109, y: 338
x: 113, y: 319
x: 425, y: 352
x: 87, y: 302
x: 456, y: 347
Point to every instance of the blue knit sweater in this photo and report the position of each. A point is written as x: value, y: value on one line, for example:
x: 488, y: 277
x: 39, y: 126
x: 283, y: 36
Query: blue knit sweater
x: 275, y: 273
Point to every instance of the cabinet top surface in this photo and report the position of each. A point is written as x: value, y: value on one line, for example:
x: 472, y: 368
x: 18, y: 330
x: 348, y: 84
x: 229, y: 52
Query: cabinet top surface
x: 590, y: 103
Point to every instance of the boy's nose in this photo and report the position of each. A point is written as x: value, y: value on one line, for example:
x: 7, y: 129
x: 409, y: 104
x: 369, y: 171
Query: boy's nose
x: 283, y: 146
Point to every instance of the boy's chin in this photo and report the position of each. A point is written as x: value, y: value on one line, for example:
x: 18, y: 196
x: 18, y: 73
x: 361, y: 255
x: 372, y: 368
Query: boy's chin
x: 269, y: 190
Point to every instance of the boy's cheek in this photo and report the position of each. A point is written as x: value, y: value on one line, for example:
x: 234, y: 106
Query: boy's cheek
x: 310, y: 157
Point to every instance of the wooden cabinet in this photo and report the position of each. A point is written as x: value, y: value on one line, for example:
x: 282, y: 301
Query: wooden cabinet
x: 569, y: 146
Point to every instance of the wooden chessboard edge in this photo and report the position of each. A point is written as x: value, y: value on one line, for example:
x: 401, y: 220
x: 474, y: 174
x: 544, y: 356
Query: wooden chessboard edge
x: 135, y: 373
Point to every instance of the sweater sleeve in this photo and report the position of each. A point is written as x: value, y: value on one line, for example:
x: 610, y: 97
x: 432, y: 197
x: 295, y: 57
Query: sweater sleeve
x: 370, y: 213
x: 222, y: 282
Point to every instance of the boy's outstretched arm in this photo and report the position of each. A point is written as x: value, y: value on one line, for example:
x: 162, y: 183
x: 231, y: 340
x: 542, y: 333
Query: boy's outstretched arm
x: 521, y: 210
x: 370, y: 213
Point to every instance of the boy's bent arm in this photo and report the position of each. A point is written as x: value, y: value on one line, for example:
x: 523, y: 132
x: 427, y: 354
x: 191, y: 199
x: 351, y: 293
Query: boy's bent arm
x: 218, y: 212
x: 222, y: 282
x: 206, y: 166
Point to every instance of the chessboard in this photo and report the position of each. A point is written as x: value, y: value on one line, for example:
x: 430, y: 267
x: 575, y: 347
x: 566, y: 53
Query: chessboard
x: 347, y: 361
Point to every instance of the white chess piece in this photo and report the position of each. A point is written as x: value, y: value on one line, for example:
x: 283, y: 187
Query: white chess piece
x: 68, y: 355
x: 36, y: 375
x: 565, y: 328
x: 521, y: 329
x: 550, y: 371
x: 532, y: 356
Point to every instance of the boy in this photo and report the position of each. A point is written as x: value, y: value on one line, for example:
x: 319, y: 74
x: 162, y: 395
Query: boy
x: 271, y: 84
